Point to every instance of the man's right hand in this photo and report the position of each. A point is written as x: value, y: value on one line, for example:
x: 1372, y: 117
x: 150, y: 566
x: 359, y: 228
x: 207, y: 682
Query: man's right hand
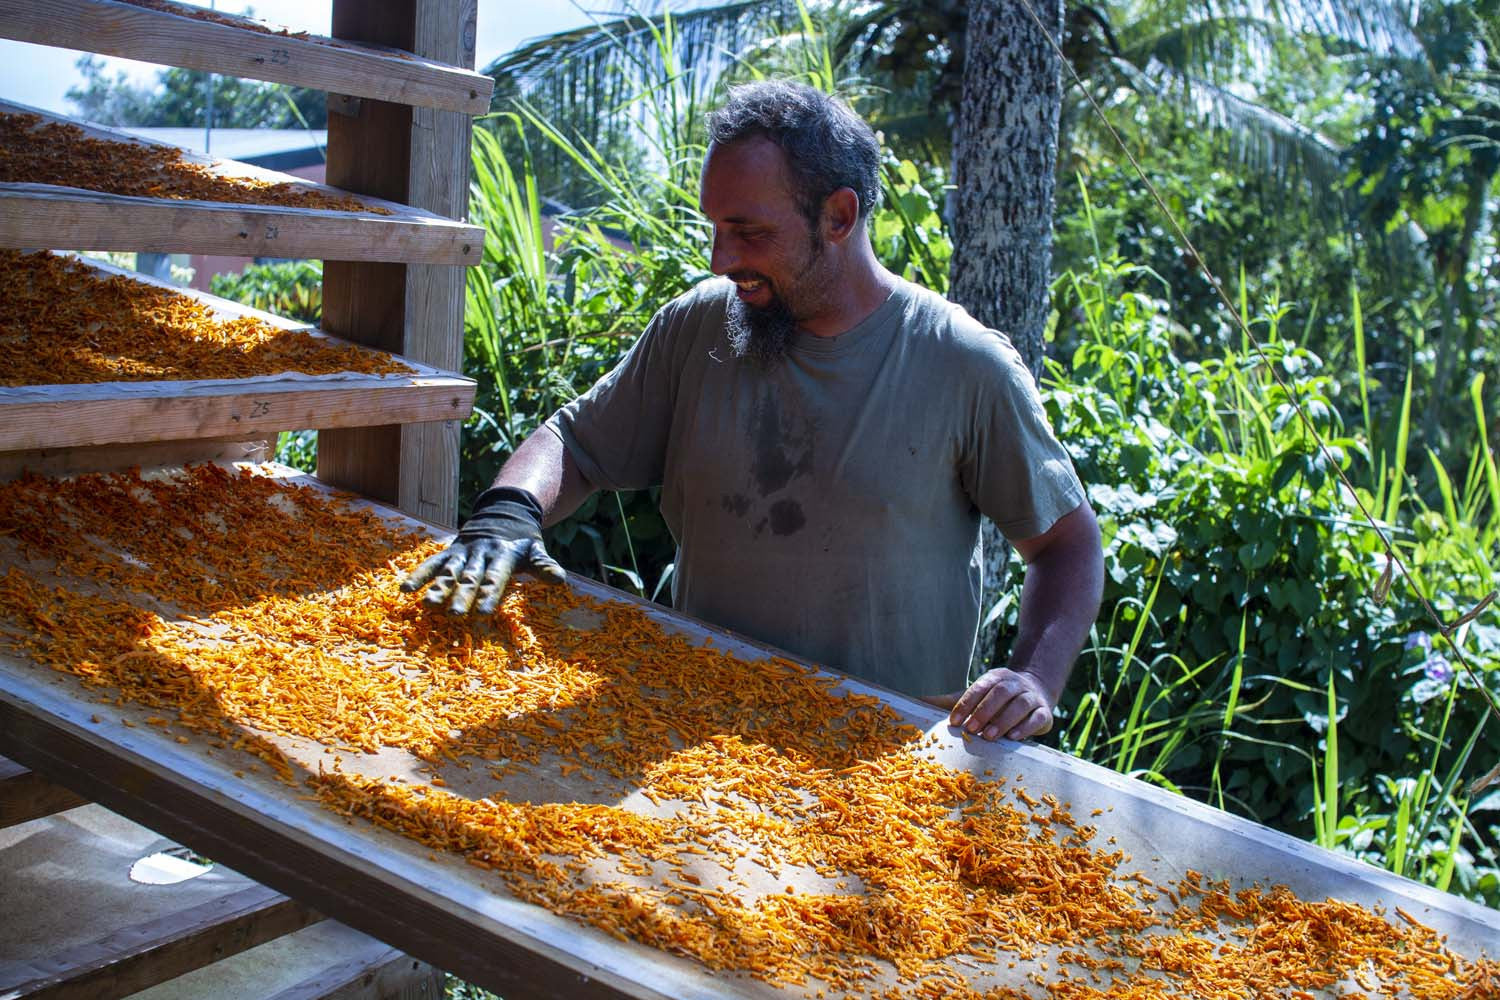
x: 504, y: 534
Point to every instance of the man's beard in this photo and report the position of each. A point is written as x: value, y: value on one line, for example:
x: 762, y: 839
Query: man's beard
x: 761, y: 333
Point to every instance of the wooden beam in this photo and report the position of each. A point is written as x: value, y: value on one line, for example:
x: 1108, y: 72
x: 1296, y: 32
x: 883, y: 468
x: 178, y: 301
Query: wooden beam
x: 435, y: 293
x: 89, y: 931
x: 116, y: 457
x: 68, y: 416
x: 37, y: 215
x: 362, y: 968
x: 143, y: 955
x: 120, y: 29
x: 420, y: 157
x: 327, y: 961
x: 26, y: 795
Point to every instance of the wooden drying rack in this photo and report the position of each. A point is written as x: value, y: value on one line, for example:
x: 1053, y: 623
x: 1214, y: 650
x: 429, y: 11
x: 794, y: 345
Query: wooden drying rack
x: 401, y: 91
x: 392, y: 282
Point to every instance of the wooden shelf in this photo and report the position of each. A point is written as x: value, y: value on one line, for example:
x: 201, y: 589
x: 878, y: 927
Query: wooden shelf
x: 63, y: 416
x: 121, y: 29
x: 402, y: 90
x: 79, y: 416
x: 94, y: 931
x: 45, y: 215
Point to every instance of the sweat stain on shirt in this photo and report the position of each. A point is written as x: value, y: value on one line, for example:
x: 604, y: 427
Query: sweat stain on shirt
x: 781, y: 453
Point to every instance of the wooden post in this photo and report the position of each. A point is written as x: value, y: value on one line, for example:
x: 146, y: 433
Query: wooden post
x: 418, y: 156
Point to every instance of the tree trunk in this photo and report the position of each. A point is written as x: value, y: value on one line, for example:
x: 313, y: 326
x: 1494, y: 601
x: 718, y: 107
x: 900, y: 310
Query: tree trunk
x: 1004, y: 163
x: 1455, y: 339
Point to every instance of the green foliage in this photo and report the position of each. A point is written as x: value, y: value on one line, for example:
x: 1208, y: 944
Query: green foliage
x: 618, y: 87
x: 298, y: 449
x: 554, y: 307
x: 1240, y: 222
x: 290, y: 288
x: 456, y: 989
x: 1242, y: 655
x: 1427, y: 155
x: 180, y: 98
x: 907, y: 229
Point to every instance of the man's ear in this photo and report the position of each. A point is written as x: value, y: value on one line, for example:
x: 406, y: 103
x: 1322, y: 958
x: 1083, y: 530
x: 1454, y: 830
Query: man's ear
x: 840, y: 215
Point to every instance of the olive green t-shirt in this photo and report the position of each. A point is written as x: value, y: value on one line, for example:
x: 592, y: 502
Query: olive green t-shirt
x: 829, y: 505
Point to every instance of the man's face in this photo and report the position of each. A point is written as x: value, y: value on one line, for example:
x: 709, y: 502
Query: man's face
x: 763, y: 243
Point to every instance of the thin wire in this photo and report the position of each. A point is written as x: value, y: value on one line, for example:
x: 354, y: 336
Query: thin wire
x: 1391, y: 554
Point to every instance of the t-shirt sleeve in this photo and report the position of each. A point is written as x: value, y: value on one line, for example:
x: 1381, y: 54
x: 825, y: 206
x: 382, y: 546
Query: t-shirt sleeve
x: 617, y: 431
x: 1012, y: 465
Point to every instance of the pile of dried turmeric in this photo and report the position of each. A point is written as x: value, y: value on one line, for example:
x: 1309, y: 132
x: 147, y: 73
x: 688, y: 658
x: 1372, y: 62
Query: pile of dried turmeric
x: 750, y: 815
x: 213, y: 17
x: 62, y: 322
x: 34, y: 151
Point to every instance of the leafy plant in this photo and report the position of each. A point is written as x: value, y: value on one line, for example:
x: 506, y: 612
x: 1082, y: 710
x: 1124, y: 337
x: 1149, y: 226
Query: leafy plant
x: 560, y: 298
x: 1243, y: 655
x: 290, y: 288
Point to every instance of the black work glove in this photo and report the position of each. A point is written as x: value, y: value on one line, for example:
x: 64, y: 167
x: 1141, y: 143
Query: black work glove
x: 503, y: 534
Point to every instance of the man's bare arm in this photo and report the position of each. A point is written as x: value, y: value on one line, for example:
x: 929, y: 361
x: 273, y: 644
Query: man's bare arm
x: 543, y: 467
x: 1059, y: 601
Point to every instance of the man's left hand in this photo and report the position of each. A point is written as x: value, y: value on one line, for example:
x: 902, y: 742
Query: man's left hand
x: 1004, y: 702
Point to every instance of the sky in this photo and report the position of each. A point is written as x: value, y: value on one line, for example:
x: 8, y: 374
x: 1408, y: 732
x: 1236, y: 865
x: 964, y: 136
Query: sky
x: 40, y: 76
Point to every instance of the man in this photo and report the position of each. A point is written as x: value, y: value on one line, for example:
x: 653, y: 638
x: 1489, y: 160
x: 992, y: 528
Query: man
x: 825, y: 435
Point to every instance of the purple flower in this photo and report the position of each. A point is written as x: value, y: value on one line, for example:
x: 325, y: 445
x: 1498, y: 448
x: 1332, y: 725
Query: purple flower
x: 1419, y: 640
x: 1438, y: 669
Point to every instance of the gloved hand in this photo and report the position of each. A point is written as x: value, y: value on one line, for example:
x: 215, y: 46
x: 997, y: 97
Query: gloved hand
x: 503, y: 534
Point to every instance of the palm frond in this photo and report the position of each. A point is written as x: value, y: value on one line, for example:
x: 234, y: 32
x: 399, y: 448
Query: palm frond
x: 1263, y: 139
x: 705, y: 35
x: 1370, y: 25
x: 1367, y: 25
x: 632, y: 85
x: 1215, y: 48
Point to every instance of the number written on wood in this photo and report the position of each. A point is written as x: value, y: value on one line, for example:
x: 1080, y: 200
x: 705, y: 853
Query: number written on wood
x: 259, y: 408
x: 272, y: 232
x: 280, y: 57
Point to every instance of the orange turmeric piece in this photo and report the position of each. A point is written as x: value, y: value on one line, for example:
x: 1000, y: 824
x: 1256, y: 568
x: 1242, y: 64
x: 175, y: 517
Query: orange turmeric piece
x: 34, y: 151
x: 747, y: 815
x: 62, y: 322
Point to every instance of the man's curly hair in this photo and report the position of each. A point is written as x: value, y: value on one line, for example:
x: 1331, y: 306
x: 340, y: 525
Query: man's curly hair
x: 827, y: 146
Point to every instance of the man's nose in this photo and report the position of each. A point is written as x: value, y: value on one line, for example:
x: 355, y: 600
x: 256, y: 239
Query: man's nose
x: 721, y: 259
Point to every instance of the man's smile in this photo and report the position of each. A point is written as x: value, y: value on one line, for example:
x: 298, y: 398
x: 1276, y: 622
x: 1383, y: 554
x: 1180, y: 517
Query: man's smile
x: 749, y: 287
